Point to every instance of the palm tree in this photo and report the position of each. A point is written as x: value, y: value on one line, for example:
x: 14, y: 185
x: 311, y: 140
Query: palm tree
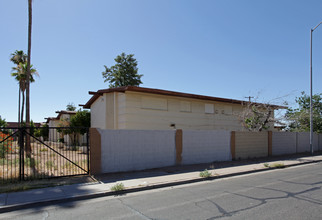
x: 20, y: 74
x: 18, y: 57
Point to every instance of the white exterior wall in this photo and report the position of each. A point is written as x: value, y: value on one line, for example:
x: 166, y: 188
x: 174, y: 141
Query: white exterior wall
x: 98, y: 113
x: 283, y: 143
x: 128, y: 150
x: 205, y: 146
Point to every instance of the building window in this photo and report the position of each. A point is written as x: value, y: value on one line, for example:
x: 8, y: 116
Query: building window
x: 209, y: 108
x: 185, y: 106
x: 154, y: 103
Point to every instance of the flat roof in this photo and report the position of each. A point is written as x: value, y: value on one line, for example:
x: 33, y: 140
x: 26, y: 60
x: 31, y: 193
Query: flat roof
x: 124, y: 89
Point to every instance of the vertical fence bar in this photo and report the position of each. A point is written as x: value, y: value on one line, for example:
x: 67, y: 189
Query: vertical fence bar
x: 21, y: 155
x: 87, y: 150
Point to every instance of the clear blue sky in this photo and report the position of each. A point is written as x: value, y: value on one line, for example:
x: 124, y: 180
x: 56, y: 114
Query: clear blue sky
x: 221, y: 48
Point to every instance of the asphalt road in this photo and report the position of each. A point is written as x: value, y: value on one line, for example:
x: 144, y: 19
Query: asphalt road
x: 292, y: 193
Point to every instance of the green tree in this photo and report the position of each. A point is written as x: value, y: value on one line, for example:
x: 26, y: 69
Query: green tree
x: 43, y: 131
x: 82, y: 121
x: 5, y: 144
x: 257, y: 116
x: 70, y: 107
x: 80, y: 124
x: 75, y: 126
x: 123, y: 73
x: 299, y: 118
x: 3, y: 122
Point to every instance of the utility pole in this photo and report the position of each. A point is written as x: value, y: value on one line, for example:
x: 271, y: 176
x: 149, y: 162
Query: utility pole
x: 249, y: 98
x: 311, y: 92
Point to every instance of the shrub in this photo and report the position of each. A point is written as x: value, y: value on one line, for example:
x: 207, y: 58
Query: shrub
x: 31, y: 162
x: 278, y: 165
x: 5, y: 146
x: 118, y: 187
x: 43, y: 149
x: 274, y: 165
x: 266, y: 165
x: 205, y: 174
x: 49, y: 164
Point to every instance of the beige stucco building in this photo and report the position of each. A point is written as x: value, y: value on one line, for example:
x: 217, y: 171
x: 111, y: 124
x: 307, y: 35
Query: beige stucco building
x: 54, y: 122
x: 144, y: 108
x: 62, y: 115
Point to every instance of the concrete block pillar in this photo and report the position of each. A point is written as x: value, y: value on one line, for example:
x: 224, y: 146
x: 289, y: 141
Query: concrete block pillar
x: 178, y: 140
x: 95, y: 151
x: 233, y: 145
x: 270, y: 143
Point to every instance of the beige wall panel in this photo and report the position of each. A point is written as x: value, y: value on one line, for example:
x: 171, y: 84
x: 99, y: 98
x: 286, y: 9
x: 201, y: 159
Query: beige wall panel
x: 121, y: 102
x: 109, y: 110
x: 185, y: 106
x: 228, y: 109
x: 149, y: 111
x: 173, y: 105
x: 251, y: 144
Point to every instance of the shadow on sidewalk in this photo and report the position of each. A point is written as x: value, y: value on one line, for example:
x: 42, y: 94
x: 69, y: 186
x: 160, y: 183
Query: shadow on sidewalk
x: 181, y: 169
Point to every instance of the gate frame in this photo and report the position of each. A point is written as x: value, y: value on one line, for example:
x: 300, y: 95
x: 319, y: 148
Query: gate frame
x: 22, y: 132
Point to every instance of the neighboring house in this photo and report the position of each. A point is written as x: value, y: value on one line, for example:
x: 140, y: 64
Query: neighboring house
x: 62, y: 115
x: 154, y: 109
x: 54, y: 122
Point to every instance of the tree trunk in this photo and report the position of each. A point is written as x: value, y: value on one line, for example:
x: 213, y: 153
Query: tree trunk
x: 22, y: 107
x: 28, y: 146
x: 19, y: 100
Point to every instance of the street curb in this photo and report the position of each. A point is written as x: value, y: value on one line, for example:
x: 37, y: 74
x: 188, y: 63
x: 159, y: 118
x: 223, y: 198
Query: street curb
x: 11, y: 208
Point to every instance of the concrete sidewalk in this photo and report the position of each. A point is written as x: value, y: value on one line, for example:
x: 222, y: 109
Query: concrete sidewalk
x: 143, y: 180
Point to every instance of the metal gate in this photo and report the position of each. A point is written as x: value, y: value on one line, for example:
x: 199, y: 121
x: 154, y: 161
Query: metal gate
x: 38, y: 153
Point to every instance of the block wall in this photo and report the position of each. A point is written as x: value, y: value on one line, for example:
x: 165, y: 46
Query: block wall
x: 284, y: 143
x: 251, y: 145
x: 129, y: 150
x: 205, y: 146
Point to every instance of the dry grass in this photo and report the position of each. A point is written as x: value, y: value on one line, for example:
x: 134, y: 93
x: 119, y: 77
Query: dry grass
x: 44, y: 161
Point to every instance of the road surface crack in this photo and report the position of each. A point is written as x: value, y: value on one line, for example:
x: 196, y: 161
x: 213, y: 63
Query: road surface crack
x: 135, y: 211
